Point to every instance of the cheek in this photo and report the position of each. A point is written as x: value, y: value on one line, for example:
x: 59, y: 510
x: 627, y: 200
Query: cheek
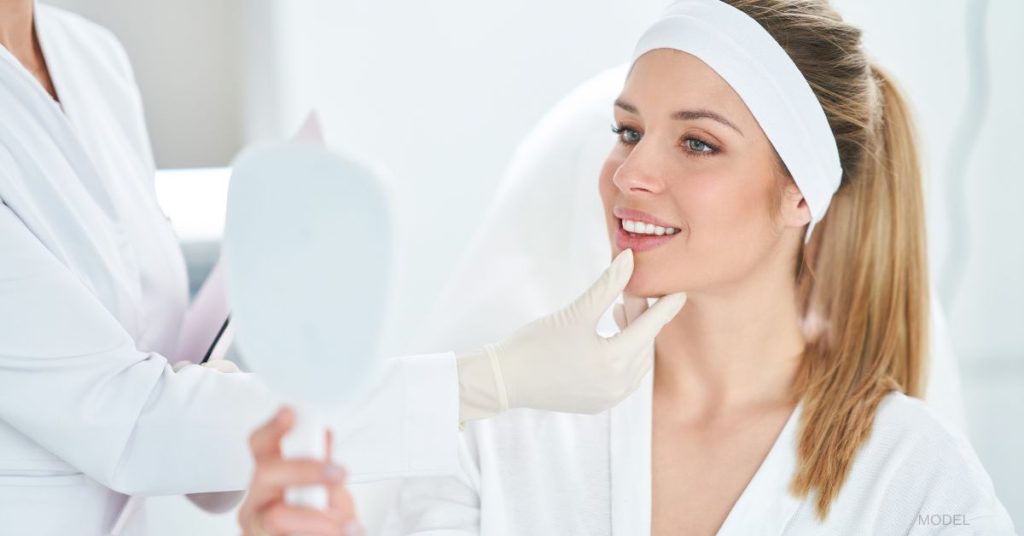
x: 609, y: 192
x: 726, y: 228
x: 605, y: 184
x: 721, y: 206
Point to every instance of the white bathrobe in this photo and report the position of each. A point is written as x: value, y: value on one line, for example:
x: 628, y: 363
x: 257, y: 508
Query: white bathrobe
x: 92, y: 293
x: 537, y: 473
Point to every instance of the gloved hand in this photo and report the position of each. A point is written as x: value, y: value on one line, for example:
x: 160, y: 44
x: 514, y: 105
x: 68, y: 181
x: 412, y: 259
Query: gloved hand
x: 559, y: 362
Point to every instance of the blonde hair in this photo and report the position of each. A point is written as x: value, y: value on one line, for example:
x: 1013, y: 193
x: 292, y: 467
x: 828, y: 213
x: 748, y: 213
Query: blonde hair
x: 862, y: 278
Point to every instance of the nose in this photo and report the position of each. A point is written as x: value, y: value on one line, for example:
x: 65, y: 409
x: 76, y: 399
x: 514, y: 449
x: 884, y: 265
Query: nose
x: 638, y: 172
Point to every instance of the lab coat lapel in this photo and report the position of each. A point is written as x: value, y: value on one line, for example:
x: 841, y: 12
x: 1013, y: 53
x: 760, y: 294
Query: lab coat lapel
x: 70, y: 122
x: 765, y: 507
x: 31, y: 114
x: 630, y: 459
x: 54, y: 177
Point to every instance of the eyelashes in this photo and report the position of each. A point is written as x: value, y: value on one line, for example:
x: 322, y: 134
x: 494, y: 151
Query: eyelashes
x: 621, y: 132
x: 692, y: 145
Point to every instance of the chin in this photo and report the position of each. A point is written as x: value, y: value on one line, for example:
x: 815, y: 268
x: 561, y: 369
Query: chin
x: 645, y: 285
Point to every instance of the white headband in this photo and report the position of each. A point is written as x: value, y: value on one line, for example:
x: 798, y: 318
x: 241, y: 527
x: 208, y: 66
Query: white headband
x: 743, y: 53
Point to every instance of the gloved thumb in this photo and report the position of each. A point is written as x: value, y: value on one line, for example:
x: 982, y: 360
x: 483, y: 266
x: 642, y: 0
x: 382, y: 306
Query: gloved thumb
x: 642, y: 330
x: 603, y: 292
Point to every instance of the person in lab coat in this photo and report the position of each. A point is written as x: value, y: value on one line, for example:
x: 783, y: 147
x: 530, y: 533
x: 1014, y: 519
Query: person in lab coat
x: 92, y: 293
x: 784, y: 396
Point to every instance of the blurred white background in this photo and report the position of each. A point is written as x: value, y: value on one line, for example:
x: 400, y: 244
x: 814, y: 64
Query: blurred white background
x: 439, y: 94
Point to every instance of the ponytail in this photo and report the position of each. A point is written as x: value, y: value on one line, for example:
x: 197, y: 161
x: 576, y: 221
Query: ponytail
x: 866, y: 286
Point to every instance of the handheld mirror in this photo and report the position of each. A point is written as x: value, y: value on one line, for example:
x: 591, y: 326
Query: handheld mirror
x: 307, y: 252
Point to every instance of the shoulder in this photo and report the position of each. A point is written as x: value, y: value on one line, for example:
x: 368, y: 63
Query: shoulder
x: 911, y: 420
x: 907, y: 433
x: 919, y: 466
x: 907, y: 428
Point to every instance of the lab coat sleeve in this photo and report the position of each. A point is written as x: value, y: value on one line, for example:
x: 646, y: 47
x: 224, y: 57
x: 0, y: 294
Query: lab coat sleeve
x: 72, y: 381
x: 440, y: 506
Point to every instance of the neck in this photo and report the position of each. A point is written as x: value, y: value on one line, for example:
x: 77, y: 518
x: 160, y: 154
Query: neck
x: 16, y: 29
x: 734, y: 348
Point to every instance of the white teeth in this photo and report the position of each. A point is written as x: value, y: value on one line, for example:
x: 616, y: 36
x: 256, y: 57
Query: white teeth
x: 638, y: 227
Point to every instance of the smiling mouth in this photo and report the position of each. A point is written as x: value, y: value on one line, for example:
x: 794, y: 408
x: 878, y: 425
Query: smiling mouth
x: 641, y: 236
x: 640, y: 229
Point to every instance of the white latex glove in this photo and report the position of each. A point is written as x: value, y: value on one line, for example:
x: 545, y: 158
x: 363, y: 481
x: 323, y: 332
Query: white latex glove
x: 559, y: 362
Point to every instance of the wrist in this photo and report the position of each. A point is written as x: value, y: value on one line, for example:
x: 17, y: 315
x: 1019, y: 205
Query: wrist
x: 480, y: 386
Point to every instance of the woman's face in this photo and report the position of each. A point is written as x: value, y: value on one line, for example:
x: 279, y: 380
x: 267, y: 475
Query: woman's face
x: 691, y: 158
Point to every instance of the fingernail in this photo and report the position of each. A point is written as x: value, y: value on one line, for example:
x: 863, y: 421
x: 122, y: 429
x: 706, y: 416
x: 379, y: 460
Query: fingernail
x: 353, y: 528
x: 333, y: 473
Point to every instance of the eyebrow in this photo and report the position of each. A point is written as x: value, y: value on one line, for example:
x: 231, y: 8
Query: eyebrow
x: 684, y: 115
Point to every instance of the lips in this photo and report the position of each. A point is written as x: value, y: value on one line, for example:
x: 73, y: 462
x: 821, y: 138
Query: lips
x: 626, y: 240
x: 640, y: 231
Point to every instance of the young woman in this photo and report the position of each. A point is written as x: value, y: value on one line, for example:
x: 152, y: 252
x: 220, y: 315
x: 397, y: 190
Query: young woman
x: 766, y: 167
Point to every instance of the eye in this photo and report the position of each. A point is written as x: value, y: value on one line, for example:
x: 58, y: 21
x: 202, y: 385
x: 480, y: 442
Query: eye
x: 626, y: 135
x: 700, y: 147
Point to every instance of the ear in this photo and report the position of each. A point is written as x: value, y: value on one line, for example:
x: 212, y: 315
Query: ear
x: 795, y: 212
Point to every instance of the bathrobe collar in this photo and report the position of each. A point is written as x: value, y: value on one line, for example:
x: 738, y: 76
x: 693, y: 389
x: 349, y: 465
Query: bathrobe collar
x: 764, y: 507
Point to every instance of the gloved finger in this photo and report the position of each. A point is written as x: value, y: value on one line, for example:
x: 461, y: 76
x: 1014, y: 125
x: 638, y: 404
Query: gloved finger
x: 222, y: 365
x: 619, y: 313
x: 644, y: 328
x: 265, y: 441
x: 633, y: 306
x: 181, y: 364
x: 281, y: 519
x: 603, y: 292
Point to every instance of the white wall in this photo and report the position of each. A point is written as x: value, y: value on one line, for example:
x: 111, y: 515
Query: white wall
x: 185, y: 55
x: 439, y: 94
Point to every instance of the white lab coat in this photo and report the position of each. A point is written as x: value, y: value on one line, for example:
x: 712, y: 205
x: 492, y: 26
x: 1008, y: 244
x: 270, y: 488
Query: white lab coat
x: 539, y: 473
x: 92, y: 292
